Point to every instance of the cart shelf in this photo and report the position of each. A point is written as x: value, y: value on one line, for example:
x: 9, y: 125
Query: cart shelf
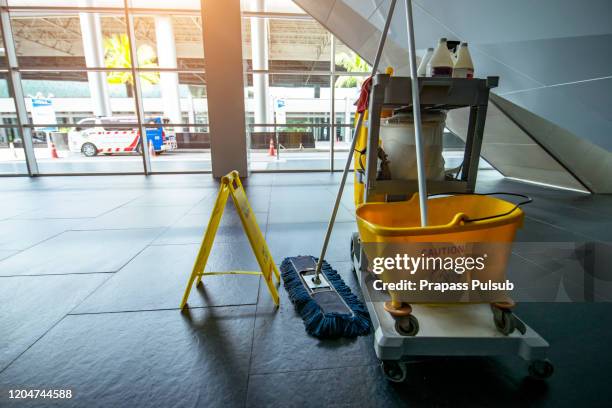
x: 435, y: 94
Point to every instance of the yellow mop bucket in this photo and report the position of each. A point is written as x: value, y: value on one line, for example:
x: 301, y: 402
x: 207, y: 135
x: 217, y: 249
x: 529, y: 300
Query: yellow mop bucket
x: 454, y: 219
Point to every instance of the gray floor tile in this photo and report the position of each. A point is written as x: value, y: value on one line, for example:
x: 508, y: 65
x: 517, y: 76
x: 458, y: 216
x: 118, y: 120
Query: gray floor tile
x: 81, y: 204
x: 152, y: 359
x: 444, y: 382
x: 31, y: 305
x: 545, y: 241
x: 157, y: 277
x: 258, y: 179
x: 526, y: 275
x: 281, y: 343
x: 22, y: 234
x: 5, y: 253
x: 599, y: 204
x: 191, y: 227
x: 309, y: 179
x: 348, y: 197
x: 161, y: 358
x: 537, y: 231
x: 589, y: 224
x: 11, y: 209
x: 80, y: 252
x: 258, y: 196
x: 501, y: 184
x: 172, y: 197
x: 580, y: 339
x: 307, y: 239
x: 137, y: 217
x: 305, y: 204
x: 64, y: 210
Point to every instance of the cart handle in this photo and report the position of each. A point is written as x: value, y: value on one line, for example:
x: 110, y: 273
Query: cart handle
x: 526, y: 200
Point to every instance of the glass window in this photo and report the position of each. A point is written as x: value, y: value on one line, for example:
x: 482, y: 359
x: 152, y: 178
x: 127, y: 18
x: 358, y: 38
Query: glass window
x: 185, y: 29
x: 274, y: 6
x: 179, y: 101
x: 82, y: 118
x: 65, y: 3
x: 7, y: 104
x: 293, y: 96
x: 187, y: 5
x: 87, y: 117
x: 12, y: 156
x: 292, y: 44
x: 179, y: 97
x: 347, y: 89
x: 78, y: 81
x: 49, y: 39
x: 297, y: 112
x: 71, y: 95
x: 347, y: 60
x: 3, y: 61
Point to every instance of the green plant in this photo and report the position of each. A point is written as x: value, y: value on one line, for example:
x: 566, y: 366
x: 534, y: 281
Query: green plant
x: 352, y: 63
x: 117, y: 55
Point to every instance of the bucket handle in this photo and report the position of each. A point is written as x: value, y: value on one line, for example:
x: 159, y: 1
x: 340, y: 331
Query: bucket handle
x: 526, y: 200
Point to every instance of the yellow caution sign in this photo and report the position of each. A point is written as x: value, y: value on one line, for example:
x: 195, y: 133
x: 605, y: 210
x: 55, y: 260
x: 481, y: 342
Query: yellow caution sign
x: 231, y: 185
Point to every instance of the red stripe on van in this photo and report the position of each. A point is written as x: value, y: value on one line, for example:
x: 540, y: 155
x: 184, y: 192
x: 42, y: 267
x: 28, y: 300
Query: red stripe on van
x: 132, y: 145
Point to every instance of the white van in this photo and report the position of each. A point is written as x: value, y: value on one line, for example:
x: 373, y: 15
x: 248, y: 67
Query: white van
x: 104, y: 136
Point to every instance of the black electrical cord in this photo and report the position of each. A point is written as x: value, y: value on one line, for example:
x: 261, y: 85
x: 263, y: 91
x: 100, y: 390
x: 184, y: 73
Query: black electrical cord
x: 526, y: 201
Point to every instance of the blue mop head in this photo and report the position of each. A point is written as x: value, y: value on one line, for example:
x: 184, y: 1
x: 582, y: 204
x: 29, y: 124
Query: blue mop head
x: 324, y: 320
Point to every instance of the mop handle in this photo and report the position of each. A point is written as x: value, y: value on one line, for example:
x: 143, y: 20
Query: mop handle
x: 332, y: 220
x: 416, y: 113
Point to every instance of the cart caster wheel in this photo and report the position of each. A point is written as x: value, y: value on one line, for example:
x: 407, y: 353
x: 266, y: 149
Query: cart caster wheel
x: 394, y: 371
x: 541, y: 369
x: 503, y: 321
x: 506, y: 322
x: 407, y: 326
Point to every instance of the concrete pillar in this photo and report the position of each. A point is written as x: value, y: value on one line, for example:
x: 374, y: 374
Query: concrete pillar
x: 259, y: 58
x: 225, y: 85
x: 93, y: 48
x: 166, y: 57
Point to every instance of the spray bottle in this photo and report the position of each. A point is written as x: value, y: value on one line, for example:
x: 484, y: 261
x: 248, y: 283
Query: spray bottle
x: 441, y: 63
x: 464, y: 68
x: 422, y: 70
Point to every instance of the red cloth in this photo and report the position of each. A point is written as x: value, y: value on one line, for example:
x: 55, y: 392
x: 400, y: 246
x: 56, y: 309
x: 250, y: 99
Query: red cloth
x: 364, y: 95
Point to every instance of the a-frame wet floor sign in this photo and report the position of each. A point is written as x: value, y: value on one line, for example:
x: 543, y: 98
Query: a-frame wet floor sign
x: 231, y: 185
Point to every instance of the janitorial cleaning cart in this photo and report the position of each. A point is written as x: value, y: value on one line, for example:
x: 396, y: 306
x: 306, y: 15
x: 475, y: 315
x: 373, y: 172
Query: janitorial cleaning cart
x: 394, y: 204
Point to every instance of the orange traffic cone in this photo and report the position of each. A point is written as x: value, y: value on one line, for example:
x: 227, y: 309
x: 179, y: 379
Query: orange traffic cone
x: 54, y: 154
x: 272, y: 150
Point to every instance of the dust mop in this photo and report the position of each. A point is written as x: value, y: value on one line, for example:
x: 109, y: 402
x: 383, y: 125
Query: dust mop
x: 327, y: 305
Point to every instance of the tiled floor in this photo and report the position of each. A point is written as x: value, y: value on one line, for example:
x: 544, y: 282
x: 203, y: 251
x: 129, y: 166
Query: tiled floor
x: 92, y: 270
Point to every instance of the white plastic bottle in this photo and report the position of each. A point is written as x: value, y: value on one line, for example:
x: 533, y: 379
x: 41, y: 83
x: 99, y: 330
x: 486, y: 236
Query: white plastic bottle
x: 441, y: 63
x: 422, y: 69
x: 464, y: 68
